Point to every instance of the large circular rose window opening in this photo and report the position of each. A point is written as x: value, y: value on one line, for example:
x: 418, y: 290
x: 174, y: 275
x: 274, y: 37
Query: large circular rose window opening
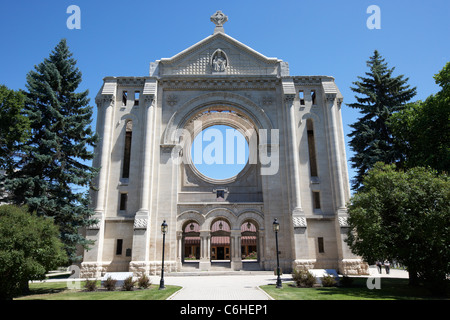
x: 219, y: 152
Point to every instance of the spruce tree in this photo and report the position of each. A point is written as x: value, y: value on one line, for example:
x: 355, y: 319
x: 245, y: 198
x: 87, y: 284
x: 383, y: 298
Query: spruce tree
x: 381, y: 95
x: 54, y: 169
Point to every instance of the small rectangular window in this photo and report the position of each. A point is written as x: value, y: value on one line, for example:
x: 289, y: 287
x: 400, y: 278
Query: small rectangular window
x: 312, y: 150
x: 321, y: 246
x: 127, y: 150
x: 128, y: 252
x: 124, y: 98
x: 313, y: 96
x: 220, y: 195
x: 301, y: 95
x: 316, y: 199
x: 123, y: 201
x: 119, y: 245
x: 136, y: 98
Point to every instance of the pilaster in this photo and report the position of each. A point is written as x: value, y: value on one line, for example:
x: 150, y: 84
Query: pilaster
x: 93, y: 265
x: 205, y: 250
x: 141, y: 229
x: 235, y: 245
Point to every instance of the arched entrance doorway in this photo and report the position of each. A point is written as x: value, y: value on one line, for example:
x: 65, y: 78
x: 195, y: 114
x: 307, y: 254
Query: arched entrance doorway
x: 249, y: 241
x: 220, y: 241
x: 191, y: 241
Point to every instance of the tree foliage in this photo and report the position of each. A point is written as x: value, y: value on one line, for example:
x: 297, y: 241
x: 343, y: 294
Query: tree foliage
x: 380, y: 95
x: 14, y: 126
x: 53, y: 175
x: 403, y: 215
x: 29, y: 247
x: 422, y: 129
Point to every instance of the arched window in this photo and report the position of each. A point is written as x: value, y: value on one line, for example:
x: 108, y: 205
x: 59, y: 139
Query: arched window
x: 127, y: 149
x: 311, y: 148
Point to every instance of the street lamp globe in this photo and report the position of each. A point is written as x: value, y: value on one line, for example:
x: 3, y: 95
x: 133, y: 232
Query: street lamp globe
x: 164, y: 227
x: 276, y: 225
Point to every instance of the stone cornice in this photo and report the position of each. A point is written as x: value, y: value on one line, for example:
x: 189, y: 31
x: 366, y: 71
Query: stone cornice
x: 211, y: 83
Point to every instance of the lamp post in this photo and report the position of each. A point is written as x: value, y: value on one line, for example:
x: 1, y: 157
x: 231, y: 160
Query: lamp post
x: 164, y: 228
x: 276, y: 228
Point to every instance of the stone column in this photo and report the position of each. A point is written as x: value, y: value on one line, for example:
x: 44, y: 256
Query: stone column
x: 107, y: 107
x: 294, y: 157
x: 297, y: 240
x: 235, y: 247
x: 92, y: 265
x: 205, y: 261
x: 335, y: 152
x: 260, y: 248
x: 146, y: 155
x: 140, y: 260
x: 347, y: 261
x: 179, y: 257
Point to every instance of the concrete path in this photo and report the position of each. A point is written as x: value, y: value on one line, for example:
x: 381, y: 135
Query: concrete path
x: 235, y: 285
x: 238, y: 286
x: 221, y: 287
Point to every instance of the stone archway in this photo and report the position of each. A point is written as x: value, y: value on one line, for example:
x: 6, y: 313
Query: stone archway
x: 220, y: 241
x: 191, y: 242
x: 249, y: 242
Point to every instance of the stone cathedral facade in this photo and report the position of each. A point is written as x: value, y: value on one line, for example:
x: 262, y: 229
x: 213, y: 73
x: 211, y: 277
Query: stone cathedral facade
x: 296, y: 174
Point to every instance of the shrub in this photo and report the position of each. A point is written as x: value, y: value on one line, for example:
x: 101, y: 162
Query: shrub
x: 128, y: 283
x: 144, y: 281
x: 328, y: 281
x: 110, y: 284
x: 90, y: 285
x: 303, y: 278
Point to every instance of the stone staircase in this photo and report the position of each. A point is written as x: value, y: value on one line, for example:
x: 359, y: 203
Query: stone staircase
x: 191, y: 268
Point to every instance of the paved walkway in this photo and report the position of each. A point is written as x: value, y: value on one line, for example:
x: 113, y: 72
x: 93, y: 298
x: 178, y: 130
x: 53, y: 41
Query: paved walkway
x: 236, y: 285
x: 221, y: 287
x: 239, y: 286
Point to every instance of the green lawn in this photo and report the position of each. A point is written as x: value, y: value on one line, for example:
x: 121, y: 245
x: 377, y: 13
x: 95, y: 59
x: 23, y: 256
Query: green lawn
x: 59, y: 291
x: 391, y: 289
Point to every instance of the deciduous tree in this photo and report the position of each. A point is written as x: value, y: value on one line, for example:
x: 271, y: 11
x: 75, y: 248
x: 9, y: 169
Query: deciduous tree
x: 29, y: 247
x: 403, y: 215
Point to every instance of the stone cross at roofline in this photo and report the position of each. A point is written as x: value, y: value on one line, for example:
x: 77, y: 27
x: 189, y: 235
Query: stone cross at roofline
x: 219, y: 19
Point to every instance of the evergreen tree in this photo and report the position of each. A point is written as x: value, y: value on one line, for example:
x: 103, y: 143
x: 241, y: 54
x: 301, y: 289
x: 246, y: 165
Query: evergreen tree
x: 54, y: 169
x: 382, y: 94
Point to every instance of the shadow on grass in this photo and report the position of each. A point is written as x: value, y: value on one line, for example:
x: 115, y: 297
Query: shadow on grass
x: 59, y: 291
x: 390, y: 289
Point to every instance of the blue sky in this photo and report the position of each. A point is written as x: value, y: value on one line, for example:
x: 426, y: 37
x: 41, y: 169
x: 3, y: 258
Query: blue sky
x: 321, y: 37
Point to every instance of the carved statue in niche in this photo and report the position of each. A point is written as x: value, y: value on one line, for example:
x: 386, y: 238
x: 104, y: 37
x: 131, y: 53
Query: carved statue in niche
x: 219, y: 61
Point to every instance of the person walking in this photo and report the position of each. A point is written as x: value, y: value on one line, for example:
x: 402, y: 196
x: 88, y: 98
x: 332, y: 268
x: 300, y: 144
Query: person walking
x: 387, y: 266
x: 378, y: 263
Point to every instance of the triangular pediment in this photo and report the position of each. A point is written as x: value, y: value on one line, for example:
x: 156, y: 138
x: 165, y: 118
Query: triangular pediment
x: 219, y: 54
